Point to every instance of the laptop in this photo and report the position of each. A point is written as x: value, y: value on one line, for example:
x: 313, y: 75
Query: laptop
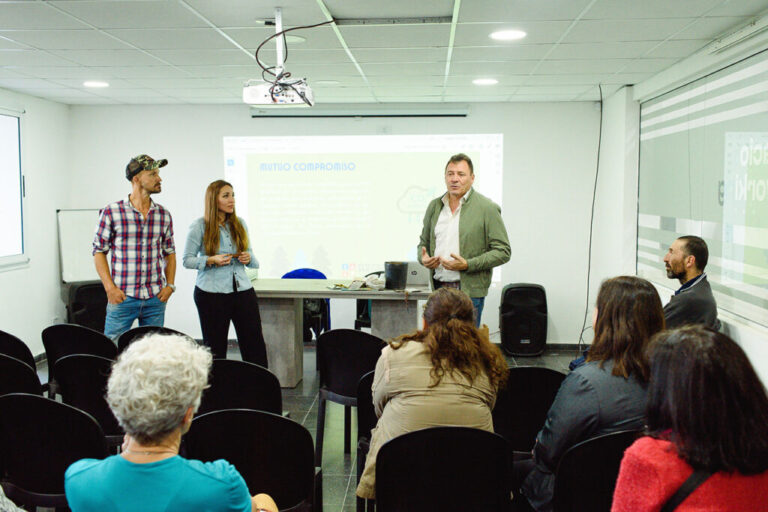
x: 418, y: 277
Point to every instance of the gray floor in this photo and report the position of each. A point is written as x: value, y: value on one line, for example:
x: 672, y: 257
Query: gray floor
x: 339, y: 474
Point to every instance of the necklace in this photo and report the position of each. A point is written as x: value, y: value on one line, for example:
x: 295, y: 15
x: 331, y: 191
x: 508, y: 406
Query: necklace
x: 135, y: 452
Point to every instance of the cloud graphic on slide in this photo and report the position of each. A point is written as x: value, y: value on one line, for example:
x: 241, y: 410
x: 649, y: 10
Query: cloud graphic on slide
x: 414, y: 199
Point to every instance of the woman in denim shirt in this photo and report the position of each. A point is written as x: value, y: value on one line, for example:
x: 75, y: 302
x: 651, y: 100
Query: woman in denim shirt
x: 218, y: 247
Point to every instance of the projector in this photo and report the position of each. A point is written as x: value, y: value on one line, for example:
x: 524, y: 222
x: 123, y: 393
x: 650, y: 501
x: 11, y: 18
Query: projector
x: 280, y: 94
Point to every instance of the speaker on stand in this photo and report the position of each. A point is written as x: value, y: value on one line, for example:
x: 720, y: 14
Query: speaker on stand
x: 523, y: 319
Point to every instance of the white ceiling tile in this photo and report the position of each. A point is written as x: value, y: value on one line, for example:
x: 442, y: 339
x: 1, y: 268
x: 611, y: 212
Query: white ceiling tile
x: 739, y: 8
x: 553, y: 89
x: 8, y: 43
x: 389, y: 9
x: 391, y: 68
x: 304, y: 56
x: 405, y: 90
x: 31, y: 58
x: 34, y: 15
x: 203, y: 93
x: 648, y: 65
x: 531, y: 10
x: 605, y: 50
x: 131, y: 93
x: 246, y: 13
x: 493, y: 68
x: 583, y: 66
x: 173, y: 39
x: 396, y: 36
x: 597, y: 31
x: 227, y: 71
x: 629, y: 9
x: 539, y: 32
x: 77, y: 83
x: 27, y: 83
x: 711, y: 28
x: 107, y: 57
x: 498, y: 53
x: 10, y: 73
x: 126, y: 14
x: 203, y: 57
x: 178, y: 83
x: 87, y: 39
x: 318, y: 38
x: 677, y: 49
x: 366, y: 55
x: 156, y: 71
x: 627, y: 78
x: 541, y: 97
x: 570, y: 79
x: 474, y: 98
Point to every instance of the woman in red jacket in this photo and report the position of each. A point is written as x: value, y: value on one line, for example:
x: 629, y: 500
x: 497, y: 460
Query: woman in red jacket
x: 707, y: 411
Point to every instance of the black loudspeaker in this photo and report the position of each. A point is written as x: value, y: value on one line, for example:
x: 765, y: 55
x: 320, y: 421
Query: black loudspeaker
x: 87, y: 305
x: 523, y: 319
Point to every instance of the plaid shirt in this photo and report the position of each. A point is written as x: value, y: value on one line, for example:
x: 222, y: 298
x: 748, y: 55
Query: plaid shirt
x: 138, y: 246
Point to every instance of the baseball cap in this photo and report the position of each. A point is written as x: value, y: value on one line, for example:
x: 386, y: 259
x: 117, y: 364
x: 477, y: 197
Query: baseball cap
x: 142, y: 163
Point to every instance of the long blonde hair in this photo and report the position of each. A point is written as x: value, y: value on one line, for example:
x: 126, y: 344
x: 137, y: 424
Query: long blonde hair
x: 211, y: 217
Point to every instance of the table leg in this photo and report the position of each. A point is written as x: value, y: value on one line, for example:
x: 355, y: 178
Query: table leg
x: 391, y: 318
x: 281, y: 323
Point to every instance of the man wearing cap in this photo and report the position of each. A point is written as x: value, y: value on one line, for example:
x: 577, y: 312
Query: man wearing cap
x: 139, y: 235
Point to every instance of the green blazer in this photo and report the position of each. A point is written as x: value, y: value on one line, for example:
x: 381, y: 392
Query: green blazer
x: 483, y: 240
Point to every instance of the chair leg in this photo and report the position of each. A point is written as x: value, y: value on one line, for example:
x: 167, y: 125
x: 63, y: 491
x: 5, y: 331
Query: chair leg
x: 347, y: 428
x: 319, y: 434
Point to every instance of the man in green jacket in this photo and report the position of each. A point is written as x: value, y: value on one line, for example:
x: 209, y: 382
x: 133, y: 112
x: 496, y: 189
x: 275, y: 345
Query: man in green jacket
x: 463, y: 236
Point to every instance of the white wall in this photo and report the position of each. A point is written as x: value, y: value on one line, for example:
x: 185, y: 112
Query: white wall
x: 549, y: 160
x: 30, y: 296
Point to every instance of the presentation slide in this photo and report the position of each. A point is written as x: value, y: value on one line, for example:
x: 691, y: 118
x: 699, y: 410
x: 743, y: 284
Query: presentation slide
x: 704, y: 171
x: 346, y: 204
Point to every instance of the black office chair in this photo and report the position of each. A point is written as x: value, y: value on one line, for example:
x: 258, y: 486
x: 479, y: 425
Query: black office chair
x: 344, y: 356
x: 366, y: 420
x: 12, y: 346
x: 586, y: 474
x: 39, y: 439
x: 273, y: 454
x: 363, y: 318
x: 132, y: 335
x: 82, y: 380
x: 522, y: 405
x: 241, y: 385
x: 17, y: 377
x: 66, y: 339
x: 417, y: 471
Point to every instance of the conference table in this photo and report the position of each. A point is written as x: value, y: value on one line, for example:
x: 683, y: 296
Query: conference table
x: 281, y: 305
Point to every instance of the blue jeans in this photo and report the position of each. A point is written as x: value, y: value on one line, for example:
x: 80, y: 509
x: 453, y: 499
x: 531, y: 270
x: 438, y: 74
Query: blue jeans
x: 120, y: 317
x: 478, y: 303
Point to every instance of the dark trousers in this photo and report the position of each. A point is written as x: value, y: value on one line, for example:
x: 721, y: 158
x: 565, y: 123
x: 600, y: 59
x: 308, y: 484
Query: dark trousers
x: 216, y: 310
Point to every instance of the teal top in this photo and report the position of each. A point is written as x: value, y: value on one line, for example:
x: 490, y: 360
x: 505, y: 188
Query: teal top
x: 483, y: 240
x: 211, y: 278
x: 170, y: 485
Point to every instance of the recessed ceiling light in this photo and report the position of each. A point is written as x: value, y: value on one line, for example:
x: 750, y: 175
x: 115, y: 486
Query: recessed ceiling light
x: 508, y: 35
x: 485, y: 81
x: 95, y: 83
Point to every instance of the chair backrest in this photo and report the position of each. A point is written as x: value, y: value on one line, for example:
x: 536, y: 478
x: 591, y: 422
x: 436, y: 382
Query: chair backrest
x: 344, y: 356
x: 587, y: 472
x: 366, y: 414
x: 12, y: 346
x: 132, y: 335
x: 241, y: 385
x: 522, y: 405
x: 82, y: 382
x: 66, y: 339
x: 416, y: 471
x: 275, y: 455
x: 304, y: 273
x: 39, y: 439
x: 17, y: 377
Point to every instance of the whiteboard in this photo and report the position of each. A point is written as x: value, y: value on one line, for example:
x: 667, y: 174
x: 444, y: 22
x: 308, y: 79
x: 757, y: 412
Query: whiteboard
x: 76, y: 230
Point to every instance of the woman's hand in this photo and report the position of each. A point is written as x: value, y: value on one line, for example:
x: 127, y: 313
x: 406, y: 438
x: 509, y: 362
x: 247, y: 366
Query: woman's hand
x: 244, y: 258
x: 219, y: 260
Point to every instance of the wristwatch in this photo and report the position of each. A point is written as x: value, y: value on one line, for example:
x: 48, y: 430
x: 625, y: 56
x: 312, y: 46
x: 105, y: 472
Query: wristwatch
x: 171, y: 286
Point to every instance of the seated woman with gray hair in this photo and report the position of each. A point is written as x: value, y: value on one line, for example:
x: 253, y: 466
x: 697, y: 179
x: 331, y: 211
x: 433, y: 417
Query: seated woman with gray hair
x: 153, y: 391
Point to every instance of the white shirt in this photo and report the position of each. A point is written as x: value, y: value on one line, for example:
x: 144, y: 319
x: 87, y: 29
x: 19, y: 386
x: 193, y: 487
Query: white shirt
x: 447, y: 237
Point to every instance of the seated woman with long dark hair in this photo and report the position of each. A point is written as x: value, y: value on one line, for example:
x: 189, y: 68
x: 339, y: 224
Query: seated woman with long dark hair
x: 607, y: 393
x: 446, y: 374
x: 707, y: 413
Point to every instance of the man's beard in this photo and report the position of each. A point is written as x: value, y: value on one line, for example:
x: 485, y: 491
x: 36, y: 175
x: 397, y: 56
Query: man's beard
x: 674, y: 275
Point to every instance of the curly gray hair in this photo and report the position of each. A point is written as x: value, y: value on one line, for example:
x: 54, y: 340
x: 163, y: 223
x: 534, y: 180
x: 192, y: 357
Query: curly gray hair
x: 153, y: 383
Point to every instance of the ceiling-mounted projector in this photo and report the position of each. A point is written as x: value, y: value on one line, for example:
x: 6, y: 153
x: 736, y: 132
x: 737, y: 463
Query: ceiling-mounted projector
x: 297, y: 93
